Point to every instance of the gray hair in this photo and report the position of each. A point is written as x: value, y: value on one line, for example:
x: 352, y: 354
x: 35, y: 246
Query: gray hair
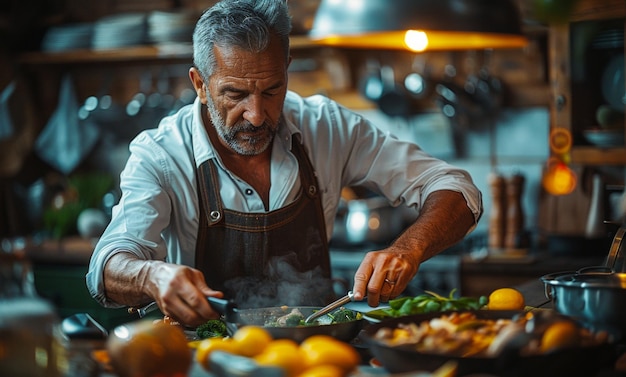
x: 247, y: 24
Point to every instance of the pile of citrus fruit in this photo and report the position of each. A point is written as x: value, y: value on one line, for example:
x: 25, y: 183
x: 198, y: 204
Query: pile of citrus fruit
x: 316, y: 356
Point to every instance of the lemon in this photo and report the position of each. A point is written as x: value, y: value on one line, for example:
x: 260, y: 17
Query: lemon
x: 506, y: 299
x: 251, y: 340
x: 326, y: 370
x: 209, y: 345
x: 282, y: 353
x: 560, y: 334
x: 325, y: 350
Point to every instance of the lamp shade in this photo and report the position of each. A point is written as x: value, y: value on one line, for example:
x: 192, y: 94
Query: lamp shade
x: 419, y: 25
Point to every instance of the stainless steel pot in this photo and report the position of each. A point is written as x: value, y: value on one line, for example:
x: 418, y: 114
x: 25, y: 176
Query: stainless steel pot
x: 594, y: 295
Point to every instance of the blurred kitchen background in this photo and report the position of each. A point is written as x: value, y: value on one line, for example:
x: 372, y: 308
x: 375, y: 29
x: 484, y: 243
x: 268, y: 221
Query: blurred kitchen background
x: 79, y: 79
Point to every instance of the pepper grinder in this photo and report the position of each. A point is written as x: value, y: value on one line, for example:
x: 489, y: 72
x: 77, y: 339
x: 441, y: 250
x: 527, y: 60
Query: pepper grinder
x: 497, y: 218
x: 514, y: 212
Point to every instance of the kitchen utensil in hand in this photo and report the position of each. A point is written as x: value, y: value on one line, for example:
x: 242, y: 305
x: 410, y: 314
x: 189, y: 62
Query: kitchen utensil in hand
x: 330, y: 307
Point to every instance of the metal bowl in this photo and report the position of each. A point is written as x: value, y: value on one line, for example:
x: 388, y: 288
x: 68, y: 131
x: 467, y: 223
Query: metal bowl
x: 606, y: 138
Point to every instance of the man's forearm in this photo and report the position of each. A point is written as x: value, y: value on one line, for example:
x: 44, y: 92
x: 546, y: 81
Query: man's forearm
x: 444, y: 219
x: 126, y: 279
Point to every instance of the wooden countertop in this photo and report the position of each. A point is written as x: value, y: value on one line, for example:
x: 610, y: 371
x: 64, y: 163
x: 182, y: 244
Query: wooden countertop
x: 66, y: 251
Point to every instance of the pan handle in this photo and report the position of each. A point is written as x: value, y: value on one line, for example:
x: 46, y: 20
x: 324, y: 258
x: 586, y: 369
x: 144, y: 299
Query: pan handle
x: 227, y: 308
x: 617, y: 248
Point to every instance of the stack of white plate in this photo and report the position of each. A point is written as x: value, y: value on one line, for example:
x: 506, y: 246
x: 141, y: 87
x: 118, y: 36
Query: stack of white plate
x: 122, y: 30
x: 67, y: 37
x: 168, y: 27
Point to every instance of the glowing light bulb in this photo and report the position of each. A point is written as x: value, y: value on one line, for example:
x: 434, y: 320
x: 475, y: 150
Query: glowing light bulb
x: 559, y: 179
x: 416, y: 40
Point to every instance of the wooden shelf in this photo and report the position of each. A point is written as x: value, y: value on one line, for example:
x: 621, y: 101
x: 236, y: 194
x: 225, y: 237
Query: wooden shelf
x: 143, y: 53
x: 598, y: 156
x: 598, y: 10
x: 565, y: 109
x: 127, y: 54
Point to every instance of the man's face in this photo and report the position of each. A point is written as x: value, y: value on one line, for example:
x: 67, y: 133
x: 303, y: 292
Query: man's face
x: 245, y: 97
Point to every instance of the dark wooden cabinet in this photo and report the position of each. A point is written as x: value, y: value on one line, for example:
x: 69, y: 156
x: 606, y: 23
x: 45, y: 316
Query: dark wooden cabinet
x: 580, y: 53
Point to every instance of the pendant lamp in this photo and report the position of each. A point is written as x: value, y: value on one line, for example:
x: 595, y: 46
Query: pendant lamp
x: 419, y: 25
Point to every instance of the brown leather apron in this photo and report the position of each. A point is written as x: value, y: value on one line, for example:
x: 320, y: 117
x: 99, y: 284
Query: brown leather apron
x: 265, y: 259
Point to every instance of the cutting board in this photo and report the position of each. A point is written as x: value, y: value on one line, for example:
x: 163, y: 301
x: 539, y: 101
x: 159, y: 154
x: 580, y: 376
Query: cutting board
x: 567, y: 214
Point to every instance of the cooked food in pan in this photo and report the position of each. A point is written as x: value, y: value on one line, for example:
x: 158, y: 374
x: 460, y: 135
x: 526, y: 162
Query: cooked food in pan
x: 464, y: 334
x: 296, y: 318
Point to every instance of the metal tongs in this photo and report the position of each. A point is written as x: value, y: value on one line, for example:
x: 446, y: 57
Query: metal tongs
x: 225, y: 307
x: 143, y: 311
x: 330, y: 307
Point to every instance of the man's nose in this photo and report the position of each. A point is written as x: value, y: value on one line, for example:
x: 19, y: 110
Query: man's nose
x: 255, y: 111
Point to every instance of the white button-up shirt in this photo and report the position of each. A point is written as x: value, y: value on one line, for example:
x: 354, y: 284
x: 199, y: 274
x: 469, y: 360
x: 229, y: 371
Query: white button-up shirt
x: 157, y: 215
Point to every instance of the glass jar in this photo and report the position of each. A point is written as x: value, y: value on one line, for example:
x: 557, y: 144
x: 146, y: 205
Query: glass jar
x: 31, y: 341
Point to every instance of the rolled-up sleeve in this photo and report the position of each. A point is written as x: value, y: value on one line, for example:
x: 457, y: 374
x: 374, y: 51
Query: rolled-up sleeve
x: 138, y: 220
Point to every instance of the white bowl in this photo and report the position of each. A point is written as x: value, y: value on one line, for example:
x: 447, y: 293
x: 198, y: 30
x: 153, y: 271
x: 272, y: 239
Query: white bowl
x: 605, y: 138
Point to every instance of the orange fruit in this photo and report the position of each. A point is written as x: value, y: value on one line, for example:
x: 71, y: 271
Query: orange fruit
x: 326, y: 350
x: 207, y: 346
x: 143, y: 348
x: 283, y: 353
x: 251, y: 340
x: 506, y: 299
x: 323, y: 371
x: 560, y: 334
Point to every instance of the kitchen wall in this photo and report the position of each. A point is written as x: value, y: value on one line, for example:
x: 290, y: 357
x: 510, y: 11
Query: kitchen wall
x: 521, y: 147
x: 521, y: 126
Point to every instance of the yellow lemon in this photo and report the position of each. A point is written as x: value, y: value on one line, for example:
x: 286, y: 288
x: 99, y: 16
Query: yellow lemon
x: 560, y: 334
x: 251, y: 340
x: 207, y: 346
x: 282, y: 353
x: 506, y: 299
x: 326, y: 350
x: 323, y: 371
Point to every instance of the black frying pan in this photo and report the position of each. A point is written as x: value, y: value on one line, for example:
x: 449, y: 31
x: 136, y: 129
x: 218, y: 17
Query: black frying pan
x: 580, y: 361
x: 235, y: 318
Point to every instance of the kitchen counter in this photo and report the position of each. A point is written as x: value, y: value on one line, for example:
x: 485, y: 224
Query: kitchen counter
x: 480, y: 276
x: 472, y: 274
x: 532, y: 290
x: 60, y: 267
x: 67, y: 251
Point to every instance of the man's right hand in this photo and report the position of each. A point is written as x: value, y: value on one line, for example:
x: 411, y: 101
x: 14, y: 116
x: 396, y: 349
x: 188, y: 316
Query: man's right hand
x: 179, y: 291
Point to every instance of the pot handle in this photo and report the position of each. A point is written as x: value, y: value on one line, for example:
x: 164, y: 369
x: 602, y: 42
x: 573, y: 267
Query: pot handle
x: 227, y: 308
x: 598, y: 270
x: 547, y: 291
x: 616, y: 249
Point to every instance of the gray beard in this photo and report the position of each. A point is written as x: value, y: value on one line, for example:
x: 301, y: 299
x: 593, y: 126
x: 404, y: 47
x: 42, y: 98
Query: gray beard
x: 257, y: 140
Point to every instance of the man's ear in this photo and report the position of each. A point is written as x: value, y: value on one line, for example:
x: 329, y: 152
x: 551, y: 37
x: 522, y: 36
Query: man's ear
x: 198, y: 84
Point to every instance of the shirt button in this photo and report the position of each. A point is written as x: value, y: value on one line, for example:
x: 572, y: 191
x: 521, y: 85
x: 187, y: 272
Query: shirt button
x: 249, y: 192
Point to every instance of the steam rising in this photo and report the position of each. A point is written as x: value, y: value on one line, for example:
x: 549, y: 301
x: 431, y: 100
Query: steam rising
x: 285, y: 285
